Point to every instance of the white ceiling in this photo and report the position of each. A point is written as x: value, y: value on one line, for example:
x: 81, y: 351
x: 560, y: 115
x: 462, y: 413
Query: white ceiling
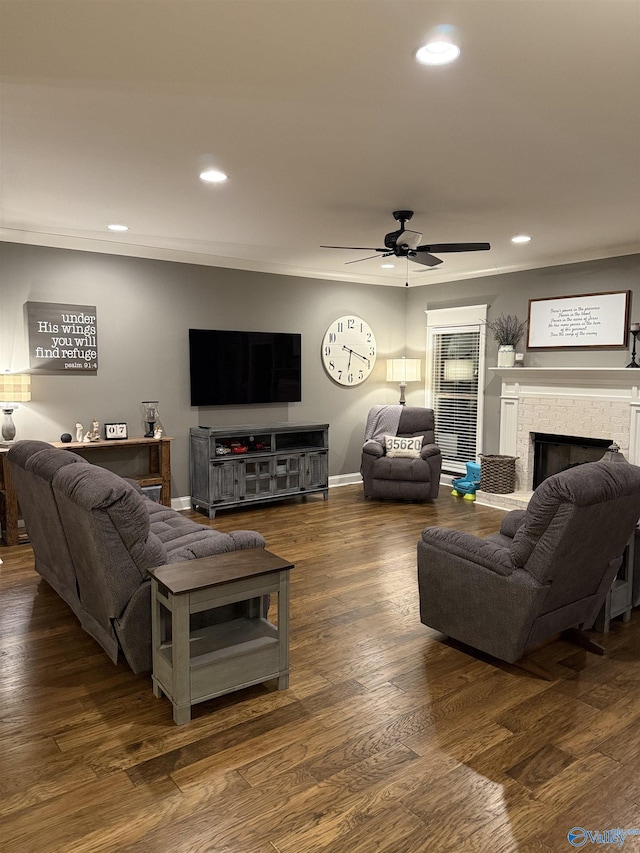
x: 325, y: 124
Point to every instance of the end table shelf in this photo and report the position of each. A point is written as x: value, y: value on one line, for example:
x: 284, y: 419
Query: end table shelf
x: 193, y: 665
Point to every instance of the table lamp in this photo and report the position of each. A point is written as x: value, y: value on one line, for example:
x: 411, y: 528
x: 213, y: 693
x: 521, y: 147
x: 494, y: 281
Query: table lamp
x: 14, y: 388
x: 403, y: 370
x: 458, y: 370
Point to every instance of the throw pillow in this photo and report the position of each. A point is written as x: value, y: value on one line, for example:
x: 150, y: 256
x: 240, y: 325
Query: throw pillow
x: 396, y: 445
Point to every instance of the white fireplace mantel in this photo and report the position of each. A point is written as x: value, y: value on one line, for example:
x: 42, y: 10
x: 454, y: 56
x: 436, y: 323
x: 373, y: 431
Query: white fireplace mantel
x: 582, y: 401
x: 571, y: 377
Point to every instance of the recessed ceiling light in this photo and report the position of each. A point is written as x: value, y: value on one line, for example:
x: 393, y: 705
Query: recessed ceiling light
x: 437, y: 53
x: 115, y: 226
x: 440, y: 48
x: 213, y: 176
x: 521, y: 238
x: 387, y: 266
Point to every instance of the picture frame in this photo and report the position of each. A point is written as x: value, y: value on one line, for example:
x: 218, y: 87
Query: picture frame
x: 115, y: 432
x: 577, y: 322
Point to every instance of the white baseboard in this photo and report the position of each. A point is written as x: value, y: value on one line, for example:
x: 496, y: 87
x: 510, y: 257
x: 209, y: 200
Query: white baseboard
x: 181, y: 503
x: 345, y: 480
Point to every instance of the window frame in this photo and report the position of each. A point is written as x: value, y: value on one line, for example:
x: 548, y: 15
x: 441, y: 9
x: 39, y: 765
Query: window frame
x: 439, y: 321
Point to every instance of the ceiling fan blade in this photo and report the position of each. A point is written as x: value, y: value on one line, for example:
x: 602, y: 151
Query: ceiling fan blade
x: 454, y: 247
x: 371, y: 257
x: 358, y: 248
x: 424, y: 258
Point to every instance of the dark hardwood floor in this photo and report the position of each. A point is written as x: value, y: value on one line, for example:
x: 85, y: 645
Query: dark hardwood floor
x: 391, y: 738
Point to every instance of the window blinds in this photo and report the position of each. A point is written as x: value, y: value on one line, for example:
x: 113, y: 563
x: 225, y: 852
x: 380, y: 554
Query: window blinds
x: 455, y: 368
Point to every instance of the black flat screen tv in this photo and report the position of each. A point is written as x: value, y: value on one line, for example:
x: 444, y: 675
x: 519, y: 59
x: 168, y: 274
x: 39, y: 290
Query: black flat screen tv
x: 244, y: 368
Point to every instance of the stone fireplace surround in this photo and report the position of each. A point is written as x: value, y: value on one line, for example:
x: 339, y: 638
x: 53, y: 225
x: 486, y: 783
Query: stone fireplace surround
x: 593, y: 402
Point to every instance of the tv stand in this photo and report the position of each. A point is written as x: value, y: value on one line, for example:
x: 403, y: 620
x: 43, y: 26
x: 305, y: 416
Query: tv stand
x: 250, y: 463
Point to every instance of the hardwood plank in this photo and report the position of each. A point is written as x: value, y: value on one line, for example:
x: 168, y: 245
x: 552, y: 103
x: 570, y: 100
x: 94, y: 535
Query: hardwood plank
x: 390, y: 738
x: 541, y: 767
x: 336, y: 725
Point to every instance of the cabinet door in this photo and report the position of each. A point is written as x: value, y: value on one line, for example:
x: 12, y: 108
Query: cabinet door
x: 199, y: 469
x: 315, y: 470
x: 257, y: 478
x: 224, y: 481
x: 288, y: 472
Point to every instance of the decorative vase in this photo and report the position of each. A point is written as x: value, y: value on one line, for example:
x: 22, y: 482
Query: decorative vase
x: 8, y: 427
x: 506, y: 355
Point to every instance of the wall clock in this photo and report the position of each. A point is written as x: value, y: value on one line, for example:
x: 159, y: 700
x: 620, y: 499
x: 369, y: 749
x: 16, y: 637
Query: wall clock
x: 349, y: 350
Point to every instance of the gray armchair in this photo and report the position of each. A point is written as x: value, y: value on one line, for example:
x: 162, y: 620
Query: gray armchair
x: 414, y: 477
x: 548, y: 569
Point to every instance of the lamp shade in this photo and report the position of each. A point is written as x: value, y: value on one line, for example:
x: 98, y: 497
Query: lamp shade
x: 15, y: 387
x: 458, y: 370
x: 403, y: 370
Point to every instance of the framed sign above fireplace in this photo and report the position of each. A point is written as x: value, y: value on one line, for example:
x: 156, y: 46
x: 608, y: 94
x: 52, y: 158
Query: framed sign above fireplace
x: 589, y: 320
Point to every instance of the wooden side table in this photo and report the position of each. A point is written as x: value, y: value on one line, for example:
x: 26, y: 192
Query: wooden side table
x: 158, y: 474
x: 9, y: 510
x: 619, y: 600
x: 158, y: 471
x: 191, y: 666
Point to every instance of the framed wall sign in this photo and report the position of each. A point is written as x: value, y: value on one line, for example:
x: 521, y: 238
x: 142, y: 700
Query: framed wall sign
x: 63, y: 338
x: 115, y: 431
x: 589, y: 320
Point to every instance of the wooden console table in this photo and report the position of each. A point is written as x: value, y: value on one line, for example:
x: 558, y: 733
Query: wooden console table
x: 158, y: 474
x: 192, y: 665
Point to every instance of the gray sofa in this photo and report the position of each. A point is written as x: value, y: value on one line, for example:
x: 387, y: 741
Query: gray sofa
x: 94, y: 536
x: 547, y: 570
x: 400, y: 478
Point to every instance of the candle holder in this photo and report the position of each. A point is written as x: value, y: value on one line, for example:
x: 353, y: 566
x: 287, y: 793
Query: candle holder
x: 151, y: 416
x: 635, y: 329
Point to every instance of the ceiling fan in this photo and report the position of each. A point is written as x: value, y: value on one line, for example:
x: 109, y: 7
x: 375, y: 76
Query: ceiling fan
x: 404, y: 243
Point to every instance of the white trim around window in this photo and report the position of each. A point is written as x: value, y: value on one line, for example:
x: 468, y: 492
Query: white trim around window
x: 454, y: 389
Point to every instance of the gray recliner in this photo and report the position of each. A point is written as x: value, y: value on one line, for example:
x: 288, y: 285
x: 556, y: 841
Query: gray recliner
x: 548, y: 569
x: 400, y: 478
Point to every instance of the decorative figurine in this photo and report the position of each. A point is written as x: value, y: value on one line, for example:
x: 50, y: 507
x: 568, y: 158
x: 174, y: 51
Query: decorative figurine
x: 157, y: 433
x: 94, y: 433
x: 79, y: 431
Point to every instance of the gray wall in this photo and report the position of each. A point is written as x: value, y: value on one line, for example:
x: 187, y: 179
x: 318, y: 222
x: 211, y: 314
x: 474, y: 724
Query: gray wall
x: 144, y: 310
x: 510, y: 294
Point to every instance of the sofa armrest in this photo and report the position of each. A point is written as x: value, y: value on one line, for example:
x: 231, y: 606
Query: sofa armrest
x: 213, y: 542
x: 511, y: 522
x: 430, y: 450
x: 490, y: 555
x: 373, y: 448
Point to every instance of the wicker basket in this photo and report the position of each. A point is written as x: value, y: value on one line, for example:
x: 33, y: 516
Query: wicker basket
x: 498, y: 474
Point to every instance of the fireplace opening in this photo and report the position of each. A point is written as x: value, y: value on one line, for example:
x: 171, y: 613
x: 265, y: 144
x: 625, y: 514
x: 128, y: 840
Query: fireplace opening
x: 553, y: 453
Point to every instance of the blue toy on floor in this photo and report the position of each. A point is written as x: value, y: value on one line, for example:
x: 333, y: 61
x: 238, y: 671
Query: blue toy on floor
x: 468, y: 484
